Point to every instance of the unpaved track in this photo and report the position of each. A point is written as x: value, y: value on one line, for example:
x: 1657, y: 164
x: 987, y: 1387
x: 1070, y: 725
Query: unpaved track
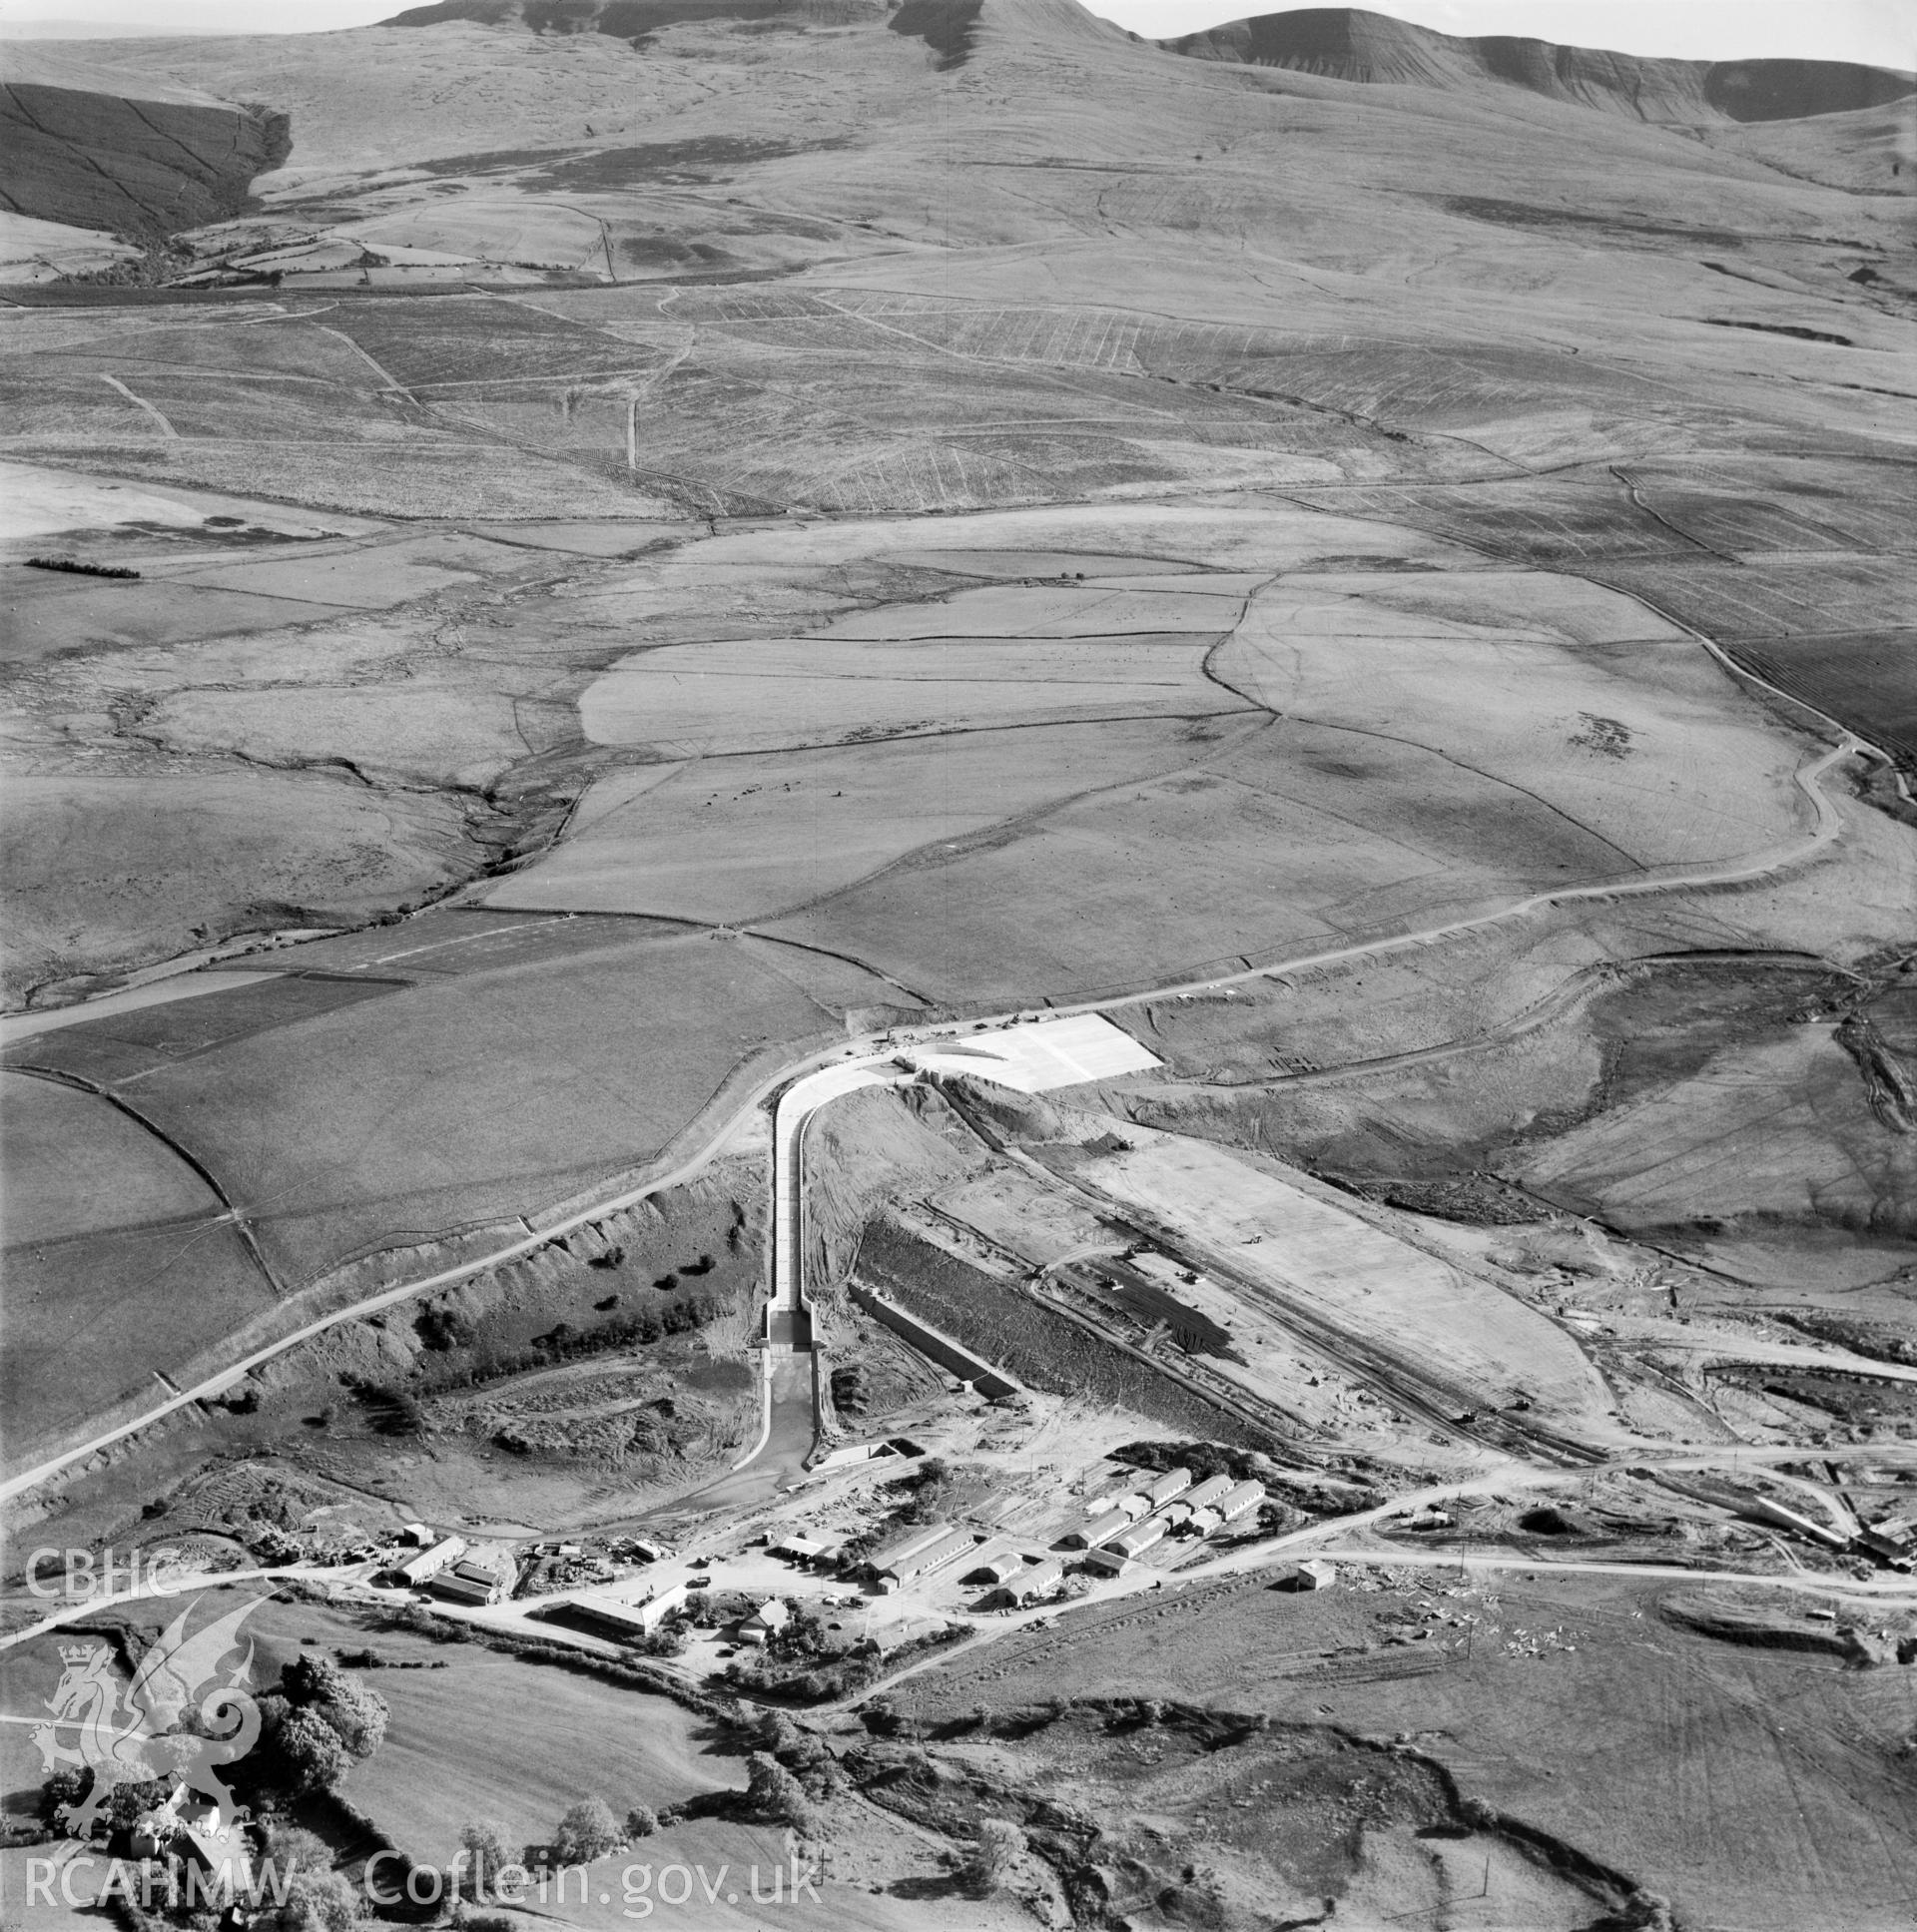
x: 73, y: 1608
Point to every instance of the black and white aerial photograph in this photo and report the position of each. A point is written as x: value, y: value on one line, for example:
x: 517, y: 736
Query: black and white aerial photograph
x: 958, y: 966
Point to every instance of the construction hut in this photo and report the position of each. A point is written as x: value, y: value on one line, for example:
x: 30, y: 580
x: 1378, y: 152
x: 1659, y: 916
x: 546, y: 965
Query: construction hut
x: 997, y: 1570
x: 481, y: 1576
x: 1205, y: 1495
x: 1088, y: 1536
x: 661, y: 1604
x: 800, y: 1546
x: 1313, y: 1573
x: 903, y: 1546
x: 1140, y: 1537
x: 926, y: 1562
x: 430, y: 1560
x: 1036, y: 1582
x: 1174, y: 1482
x: 1107, y: 1561
x: 623, y: 1622
x: 1240, y: 1499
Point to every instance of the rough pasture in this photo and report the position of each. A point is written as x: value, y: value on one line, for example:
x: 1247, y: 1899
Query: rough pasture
x: 495, y: 1087
x: 119, y: 1263
x: 759, y: 835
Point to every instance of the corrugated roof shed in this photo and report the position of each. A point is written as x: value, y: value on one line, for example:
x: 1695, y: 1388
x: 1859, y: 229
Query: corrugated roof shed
x: 1173, y: 1483
x: 1140, y: 1537
x: 1103, y: 1529
x: 1205, y: 1494
x: 417, y: 1569
x: 1039, y: 1581
x: 889, y: 1553
x: 1011, y: 1564
x: 922, y: 1562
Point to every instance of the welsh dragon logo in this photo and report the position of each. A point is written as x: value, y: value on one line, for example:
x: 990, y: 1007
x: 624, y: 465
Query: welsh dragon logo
x: 181, y: 1717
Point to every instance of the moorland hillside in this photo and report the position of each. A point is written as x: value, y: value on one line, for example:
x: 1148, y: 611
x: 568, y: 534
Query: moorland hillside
x: 1349, y: 44
x: 96, y: 147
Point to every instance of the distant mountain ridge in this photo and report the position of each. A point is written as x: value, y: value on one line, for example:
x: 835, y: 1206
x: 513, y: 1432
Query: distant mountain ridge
x: 627, y: 19
x: 1349, y: 44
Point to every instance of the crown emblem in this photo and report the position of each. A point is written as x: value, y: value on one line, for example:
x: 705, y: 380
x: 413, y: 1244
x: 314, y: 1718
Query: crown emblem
x: 76, y: 1652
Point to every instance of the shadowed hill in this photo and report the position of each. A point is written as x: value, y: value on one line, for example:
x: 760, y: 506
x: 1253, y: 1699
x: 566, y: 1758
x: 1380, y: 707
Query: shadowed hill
x: 1347, y: 43
x: 634, y: 20
x: 948, y: 27
x: 148, y: 161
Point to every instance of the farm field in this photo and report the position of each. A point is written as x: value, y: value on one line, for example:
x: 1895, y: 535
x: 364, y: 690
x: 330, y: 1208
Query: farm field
x: 692, y: 699
x: 796, y: 825
x: 119, y: 1261
x: 442, y: 1763
x: 1280, y: 843
x: 58, y: 1134
x: 133, y: 1000
x: 1860, y: 677
x: 69, y: 615
x: 1637, y: 740
x: 219, y: 1009
x: 104, y: 1317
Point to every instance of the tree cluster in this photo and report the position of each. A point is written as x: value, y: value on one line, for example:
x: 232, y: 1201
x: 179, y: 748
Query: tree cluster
x: 775, y: 1795
x: 587, y: 1831
x: 318, y: 1723
x: 491, y: 1361
x: 318, y: 1898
